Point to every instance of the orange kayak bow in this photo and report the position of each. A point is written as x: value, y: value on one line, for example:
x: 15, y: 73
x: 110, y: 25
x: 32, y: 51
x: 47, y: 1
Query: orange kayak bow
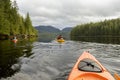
x: 88, y: 67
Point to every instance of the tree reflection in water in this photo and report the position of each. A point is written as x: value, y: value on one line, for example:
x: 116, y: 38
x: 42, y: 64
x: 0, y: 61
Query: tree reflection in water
x: 10, y: 53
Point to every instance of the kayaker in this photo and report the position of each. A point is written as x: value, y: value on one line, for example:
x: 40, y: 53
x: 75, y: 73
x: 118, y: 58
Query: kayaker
x: 59, y: 37
x: 14, y: 38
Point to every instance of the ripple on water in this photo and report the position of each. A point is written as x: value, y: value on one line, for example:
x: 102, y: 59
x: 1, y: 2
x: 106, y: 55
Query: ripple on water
x: 53, y: 61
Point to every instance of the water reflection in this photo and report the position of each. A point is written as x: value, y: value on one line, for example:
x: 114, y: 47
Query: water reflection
x: 9, y: 54
x: 104, y: 39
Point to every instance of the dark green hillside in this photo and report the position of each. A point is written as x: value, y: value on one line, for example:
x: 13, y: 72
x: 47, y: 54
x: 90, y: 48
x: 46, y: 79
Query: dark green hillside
x: 68, y: 29
x: 49, y: 29
x: 103, y: 29
x: 48, y: 33
x: 66, y: 32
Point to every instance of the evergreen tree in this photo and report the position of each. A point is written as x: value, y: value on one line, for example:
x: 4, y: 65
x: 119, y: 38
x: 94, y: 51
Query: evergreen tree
x: 106, y: 28
x: 11, y: 22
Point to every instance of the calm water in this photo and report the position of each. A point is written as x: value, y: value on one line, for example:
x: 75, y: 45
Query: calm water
x: 51, y: 61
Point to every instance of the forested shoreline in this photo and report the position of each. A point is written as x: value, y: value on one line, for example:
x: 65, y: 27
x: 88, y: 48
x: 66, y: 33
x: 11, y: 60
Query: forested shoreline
x: 12, y: 23
x: 103, y: 29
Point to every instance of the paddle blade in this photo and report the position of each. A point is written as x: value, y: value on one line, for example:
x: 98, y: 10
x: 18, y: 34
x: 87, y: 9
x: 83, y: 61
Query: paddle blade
x: 117, y: 77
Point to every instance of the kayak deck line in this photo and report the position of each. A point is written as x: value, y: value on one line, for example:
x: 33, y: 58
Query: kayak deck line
x: 90, y: 76
x: 88, y: 67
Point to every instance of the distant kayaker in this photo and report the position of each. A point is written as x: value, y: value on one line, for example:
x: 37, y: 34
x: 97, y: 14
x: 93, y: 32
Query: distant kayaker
x: 59, y: 37
x: 15, y: 38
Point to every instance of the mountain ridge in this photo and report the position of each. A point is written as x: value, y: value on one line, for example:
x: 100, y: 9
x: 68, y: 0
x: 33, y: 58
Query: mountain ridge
x: 49, y: 28
x: 47, y: 33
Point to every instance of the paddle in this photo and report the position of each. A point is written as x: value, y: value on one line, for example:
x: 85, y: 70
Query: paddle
x: 117, y: 77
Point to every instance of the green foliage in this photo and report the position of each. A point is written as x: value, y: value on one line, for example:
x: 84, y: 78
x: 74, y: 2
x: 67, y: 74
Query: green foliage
x: 106, y: 28
x: 11, y: 23
x: 28, y: 26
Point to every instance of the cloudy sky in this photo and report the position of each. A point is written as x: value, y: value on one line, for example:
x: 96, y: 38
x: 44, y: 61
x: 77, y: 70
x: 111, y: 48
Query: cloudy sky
x: 68, y: 13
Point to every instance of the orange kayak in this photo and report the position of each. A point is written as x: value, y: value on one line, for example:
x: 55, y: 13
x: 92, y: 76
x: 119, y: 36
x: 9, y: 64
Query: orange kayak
x: 14, y: 40
x: 88, y: 67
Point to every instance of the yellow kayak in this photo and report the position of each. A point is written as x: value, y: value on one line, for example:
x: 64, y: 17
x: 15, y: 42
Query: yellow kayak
x: 60, y: 40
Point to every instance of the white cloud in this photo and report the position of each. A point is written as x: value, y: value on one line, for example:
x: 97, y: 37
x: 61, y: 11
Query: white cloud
x: 62, y: 13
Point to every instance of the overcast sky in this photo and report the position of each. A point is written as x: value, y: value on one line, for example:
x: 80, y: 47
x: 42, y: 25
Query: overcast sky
x: 68, y: 13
